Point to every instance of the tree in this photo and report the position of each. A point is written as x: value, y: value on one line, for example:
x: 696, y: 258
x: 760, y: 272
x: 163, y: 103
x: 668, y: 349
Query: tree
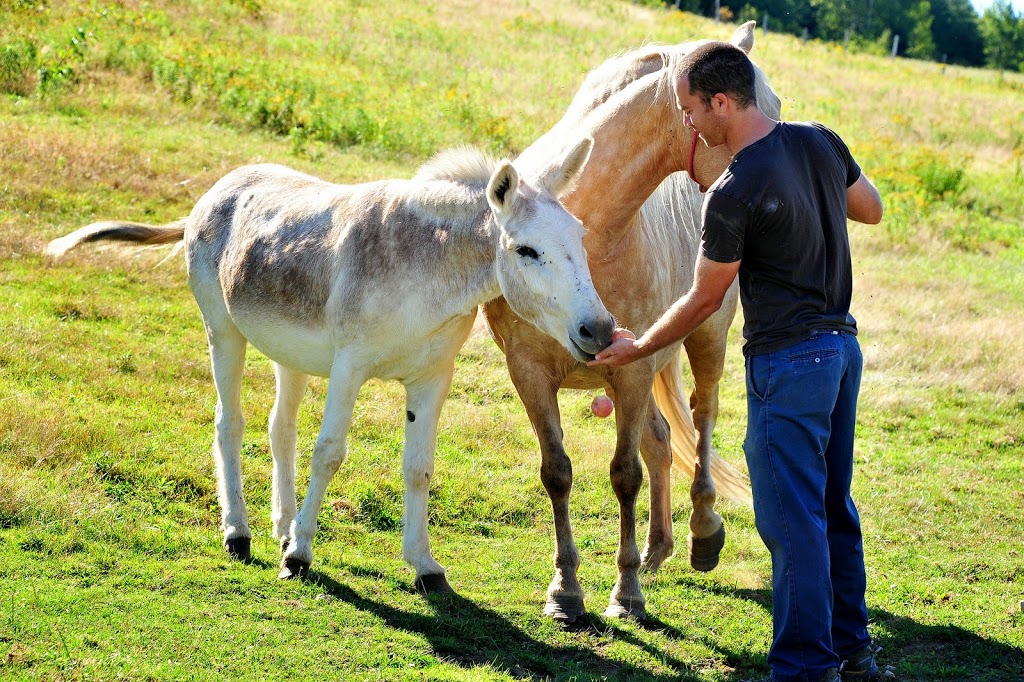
x: 1003, y: 31
x: 919, y: 43
x: 956, y: 33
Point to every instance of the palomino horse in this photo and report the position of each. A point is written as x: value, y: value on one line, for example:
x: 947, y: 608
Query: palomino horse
x: 642, y: 256
x: 378, y: 280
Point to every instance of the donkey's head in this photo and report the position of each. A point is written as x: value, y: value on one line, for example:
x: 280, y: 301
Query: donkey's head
x: 541, y: 264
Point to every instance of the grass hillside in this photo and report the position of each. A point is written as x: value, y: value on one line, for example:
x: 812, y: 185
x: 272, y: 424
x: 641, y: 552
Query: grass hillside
x: 111, y: 563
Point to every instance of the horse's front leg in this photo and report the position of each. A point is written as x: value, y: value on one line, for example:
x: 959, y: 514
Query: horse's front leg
x: 423, y: 409
x: 656, y: 449
x: 539, y: 393
x: 328, y: 455
x: 291, y: 385
x: 632, y: 388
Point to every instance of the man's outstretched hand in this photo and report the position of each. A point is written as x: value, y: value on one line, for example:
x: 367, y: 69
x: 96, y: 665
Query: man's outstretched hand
x: 622, y: 350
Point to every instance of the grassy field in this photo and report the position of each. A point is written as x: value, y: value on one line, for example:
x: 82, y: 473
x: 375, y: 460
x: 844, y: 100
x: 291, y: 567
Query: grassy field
x: 111, y: 565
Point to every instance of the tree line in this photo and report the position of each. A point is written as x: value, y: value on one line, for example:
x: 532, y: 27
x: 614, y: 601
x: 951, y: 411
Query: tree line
x: 948, y: 31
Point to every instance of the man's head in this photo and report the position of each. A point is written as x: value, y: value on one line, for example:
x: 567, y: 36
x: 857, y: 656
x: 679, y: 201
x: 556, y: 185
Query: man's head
x: 715, y: 90
x: 719, y: 67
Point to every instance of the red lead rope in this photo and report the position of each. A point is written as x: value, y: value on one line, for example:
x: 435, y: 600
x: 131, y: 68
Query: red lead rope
x: 689, y: 166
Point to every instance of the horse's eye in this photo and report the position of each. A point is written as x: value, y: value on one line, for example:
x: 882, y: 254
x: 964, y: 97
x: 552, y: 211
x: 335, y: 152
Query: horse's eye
x: 527, y: 252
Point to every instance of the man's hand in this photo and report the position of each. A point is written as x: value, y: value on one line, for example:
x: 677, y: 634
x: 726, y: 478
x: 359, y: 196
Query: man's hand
x: 622, y: 350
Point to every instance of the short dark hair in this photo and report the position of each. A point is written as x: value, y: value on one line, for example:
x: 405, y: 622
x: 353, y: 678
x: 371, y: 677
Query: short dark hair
x: 720, y: 67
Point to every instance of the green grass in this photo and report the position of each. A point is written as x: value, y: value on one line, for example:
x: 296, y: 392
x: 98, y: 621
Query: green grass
x: 110, y: 558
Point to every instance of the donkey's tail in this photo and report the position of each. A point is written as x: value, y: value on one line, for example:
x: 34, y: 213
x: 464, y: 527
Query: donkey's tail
x: 668, y: 394
x: 119, y: 231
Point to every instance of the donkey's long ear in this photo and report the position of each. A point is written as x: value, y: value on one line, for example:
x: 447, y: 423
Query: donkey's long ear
x: 501, y: 188
x: 743, y: 37
x: 560, y: 177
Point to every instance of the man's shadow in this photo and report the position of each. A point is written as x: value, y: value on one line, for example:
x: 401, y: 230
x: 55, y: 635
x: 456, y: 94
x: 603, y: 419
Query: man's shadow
x: 917, y: 651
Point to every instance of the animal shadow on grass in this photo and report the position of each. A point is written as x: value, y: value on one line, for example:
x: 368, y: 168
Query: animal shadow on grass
x: 462, y: 633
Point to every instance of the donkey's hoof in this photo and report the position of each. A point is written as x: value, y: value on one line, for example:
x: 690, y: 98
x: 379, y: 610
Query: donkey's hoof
x: 292, y: 569
x: 433, y: 583
x: 239, y: 548
x: 564, y: 609
x: 629, y: 609
x: 704, y: 551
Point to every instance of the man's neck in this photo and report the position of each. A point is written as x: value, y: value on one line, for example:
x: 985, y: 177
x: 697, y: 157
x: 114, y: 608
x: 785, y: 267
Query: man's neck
x: 749, y: 126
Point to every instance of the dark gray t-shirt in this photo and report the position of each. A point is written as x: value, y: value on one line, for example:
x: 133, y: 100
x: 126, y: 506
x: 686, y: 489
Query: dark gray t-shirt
x: 780, y: 208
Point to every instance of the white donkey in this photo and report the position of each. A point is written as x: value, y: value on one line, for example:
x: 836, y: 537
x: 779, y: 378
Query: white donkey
x: 376, y: 280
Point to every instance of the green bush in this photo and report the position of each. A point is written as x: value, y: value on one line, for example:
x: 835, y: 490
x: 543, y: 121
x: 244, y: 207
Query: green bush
x: 18, y: 68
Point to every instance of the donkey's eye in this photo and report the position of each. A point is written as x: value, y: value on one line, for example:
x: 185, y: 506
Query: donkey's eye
x: 527, y: 252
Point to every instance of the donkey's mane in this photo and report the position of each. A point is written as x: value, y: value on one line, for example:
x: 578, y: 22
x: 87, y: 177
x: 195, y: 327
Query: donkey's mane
x: 450, y: 186
x: 461, y: 164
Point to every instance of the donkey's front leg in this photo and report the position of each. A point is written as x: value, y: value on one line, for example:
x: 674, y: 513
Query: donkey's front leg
x: 423, y: 409
x: 328, y: 455
x: 632, y: 392
x: 291, y: 385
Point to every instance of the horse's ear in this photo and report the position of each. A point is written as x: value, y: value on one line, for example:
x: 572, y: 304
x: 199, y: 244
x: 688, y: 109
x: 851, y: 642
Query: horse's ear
x: 501, y: 189
x: 560, y: 177
x: 743, y: 37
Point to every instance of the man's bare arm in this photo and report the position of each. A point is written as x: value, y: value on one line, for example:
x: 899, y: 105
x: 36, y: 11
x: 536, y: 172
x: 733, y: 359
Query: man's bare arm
x: 711, y: 282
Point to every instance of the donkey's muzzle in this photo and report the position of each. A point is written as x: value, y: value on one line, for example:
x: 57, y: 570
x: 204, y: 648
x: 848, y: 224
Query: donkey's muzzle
x: 593, y: 336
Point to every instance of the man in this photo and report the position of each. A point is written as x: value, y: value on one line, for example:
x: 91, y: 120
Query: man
x: 777, y: 218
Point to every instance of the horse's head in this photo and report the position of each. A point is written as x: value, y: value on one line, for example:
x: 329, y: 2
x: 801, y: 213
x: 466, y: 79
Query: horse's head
x: 541, y: 263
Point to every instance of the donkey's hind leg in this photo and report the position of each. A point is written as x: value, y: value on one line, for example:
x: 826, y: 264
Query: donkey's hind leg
x: 655, y: 447
x: 227, y: 356
x: 291, y: 385
x: 423, y: 410
x: 328, y: 455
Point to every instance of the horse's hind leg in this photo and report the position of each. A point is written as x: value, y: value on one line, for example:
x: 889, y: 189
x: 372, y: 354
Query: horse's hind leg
x: 423, y: 409
x: 227, y: 356
x: 655, y: 447
x: 328, y: 455
x: 705, y: 349
x: 291, y: 385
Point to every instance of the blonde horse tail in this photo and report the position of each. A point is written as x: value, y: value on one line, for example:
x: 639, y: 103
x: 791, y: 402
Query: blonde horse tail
x: 119, y: 231
x: 730, y: 483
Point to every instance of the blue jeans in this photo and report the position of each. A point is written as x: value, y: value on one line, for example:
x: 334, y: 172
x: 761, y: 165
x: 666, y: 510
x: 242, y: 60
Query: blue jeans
x: 802, y: 412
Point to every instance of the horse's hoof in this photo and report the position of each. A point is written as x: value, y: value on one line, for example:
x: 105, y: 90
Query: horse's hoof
x: 433, y: 583
x: 652, y: 559
x: 564, y: 609
x: 292, y: 569
x: 635, y: 611
x: 704, y: 551
x: 239, y: 548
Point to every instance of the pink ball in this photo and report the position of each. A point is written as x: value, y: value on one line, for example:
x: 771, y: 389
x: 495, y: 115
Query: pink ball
x: 602, y: 406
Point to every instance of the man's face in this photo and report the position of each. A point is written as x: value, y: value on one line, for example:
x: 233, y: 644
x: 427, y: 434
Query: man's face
x: 699, y: 116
